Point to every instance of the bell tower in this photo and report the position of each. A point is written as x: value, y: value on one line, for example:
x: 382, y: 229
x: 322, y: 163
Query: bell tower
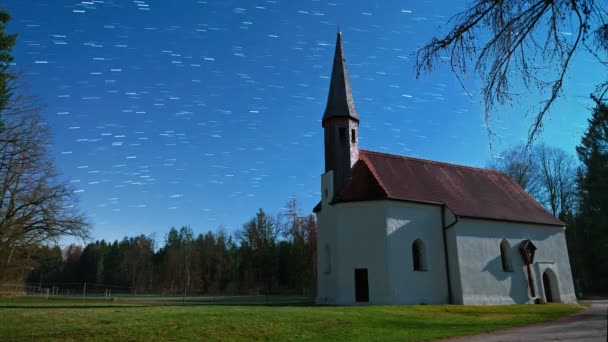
x: 340, y: 123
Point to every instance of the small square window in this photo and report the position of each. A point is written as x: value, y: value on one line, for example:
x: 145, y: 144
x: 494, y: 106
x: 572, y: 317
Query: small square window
x: 342, y: 133
x: 353, y: 135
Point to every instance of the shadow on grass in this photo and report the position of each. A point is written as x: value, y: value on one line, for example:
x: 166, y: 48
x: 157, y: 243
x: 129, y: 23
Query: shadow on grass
x: 134, y: 302
x: 137, y: 303
x: 75, y: 306
x: 210, y: 303
x: 146, y: 305
x: 259, y: 301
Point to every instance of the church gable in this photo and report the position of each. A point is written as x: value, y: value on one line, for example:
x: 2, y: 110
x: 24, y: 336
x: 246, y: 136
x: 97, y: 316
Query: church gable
x: 363, y: 186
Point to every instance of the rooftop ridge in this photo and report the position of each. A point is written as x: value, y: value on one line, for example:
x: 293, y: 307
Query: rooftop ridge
x: 428, y: 161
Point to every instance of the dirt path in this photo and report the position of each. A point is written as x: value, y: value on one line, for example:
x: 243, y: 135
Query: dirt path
x: 589, y: 325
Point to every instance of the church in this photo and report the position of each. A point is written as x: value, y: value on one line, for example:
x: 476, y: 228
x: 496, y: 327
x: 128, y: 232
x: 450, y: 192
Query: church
x: 399, y: 230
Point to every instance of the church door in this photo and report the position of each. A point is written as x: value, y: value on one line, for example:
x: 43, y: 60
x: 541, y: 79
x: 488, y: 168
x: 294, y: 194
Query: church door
x: 547, y: 286
x: 361, y: 285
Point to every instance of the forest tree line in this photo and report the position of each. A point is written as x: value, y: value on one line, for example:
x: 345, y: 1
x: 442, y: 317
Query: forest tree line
x: 269, y: 254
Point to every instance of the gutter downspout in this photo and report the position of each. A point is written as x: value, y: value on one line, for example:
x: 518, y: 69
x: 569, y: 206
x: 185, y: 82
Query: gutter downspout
x: 445, y: 250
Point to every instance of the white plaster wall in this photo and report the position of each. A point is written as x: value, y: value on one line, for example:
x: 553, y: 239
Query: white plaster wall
x: 359, y: 242
x: 362, y: 244
x: 407, y: 222
x: 378, y: 235
x: 454, y: 266
x: 327, y: 236
x: 356, y: 236
x: 482, y: 278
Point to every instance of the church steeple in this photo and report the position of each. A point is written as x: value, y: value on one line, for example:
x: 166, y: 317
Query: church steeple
x: 340, y: 124
x: 340, y: 99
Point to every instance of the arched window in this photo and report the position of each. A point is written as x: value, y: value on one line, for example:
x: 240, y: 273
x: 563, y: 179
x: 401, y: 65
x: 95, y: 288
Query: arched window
x: 505, y: 256
x: 327, y: 265
x: 418, y: 255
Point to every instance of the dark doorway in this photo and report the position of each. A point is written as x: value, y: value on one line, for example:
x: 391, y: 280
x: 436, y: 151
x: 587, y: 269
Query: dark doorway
x: 361, y: 285
x: 547, y: 286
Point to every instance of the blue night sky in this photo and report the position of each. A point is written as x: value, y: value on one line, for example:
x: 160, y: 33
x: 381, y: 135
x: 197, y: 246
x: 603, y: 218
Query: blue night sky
x: 170, y: 113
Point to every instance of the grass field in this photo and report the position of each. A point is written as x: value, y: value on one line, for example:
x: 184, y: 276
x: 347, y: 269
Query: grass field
x: 24, y: 319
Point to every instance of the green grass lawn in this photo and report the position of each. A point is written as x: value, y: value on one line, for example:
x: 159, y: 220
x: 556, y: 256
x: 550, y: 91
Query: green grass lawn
x: 24, y: 319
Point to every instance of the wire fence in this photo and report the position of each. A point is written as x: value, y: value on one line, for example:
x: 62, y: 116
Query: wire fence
x: 92, y: 291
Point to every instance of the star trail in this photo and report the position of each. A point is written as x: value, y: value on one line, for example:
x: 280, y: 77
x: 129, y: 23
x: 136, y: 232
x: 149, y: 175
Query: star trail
x: 170, y: 113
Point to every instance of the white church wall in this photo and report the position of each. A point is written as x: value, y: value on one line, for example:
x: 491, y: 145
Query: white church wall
x: 454, y: 266
x: 406, y: 223
x: 355, y: 234
x: 482, y: 277
x: 362, y: 244
x: 327, y: 236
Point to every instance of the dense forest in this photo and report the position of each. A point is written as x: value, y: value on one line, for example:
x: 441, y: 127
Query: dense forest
x: 269, y: 254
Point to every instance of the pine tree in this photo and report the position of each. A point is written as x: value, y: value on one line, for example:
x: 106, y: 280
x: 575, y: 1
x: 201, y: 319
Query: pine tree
x: 7, y: 41
x: 591, y: 235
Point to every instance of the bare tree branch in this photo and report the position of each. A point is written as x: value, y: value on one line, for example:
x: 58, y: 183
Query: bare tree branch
x: 513, y: 55
x: 36, y: 206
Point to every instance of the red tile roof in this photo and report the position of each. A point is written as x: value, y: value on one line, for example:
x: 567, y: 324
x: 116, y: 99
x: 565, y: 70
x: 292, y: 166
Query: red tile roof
x: 467, y: 191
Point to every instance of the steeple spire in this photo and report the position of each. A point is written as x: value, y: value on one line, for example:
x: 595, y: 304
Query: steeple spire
x: 340, y: 103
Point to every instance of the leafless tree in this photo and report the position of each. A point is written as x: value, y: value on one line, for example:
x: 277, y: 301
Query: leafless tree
x: 530, y: 43
x: 556, y: 174
x: 261, y: 231
x: 36, y: 206
x: 547, y: 173
x: 516, y: 162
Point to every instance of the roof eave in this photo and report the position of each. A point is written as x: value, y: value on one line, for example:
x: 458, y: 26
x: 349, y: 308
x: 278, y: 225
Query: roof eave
x: 439, y: 204
x: 556, y: 224
x: 347, y: 116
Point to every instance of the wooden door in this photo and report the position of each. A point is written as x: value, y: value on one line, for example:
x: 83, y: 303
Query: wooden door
x: 361, y: 285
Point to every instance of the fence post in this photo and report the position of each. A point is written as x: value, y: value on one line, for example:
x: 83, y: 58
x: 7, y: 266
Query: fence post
x: 84, y: 291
